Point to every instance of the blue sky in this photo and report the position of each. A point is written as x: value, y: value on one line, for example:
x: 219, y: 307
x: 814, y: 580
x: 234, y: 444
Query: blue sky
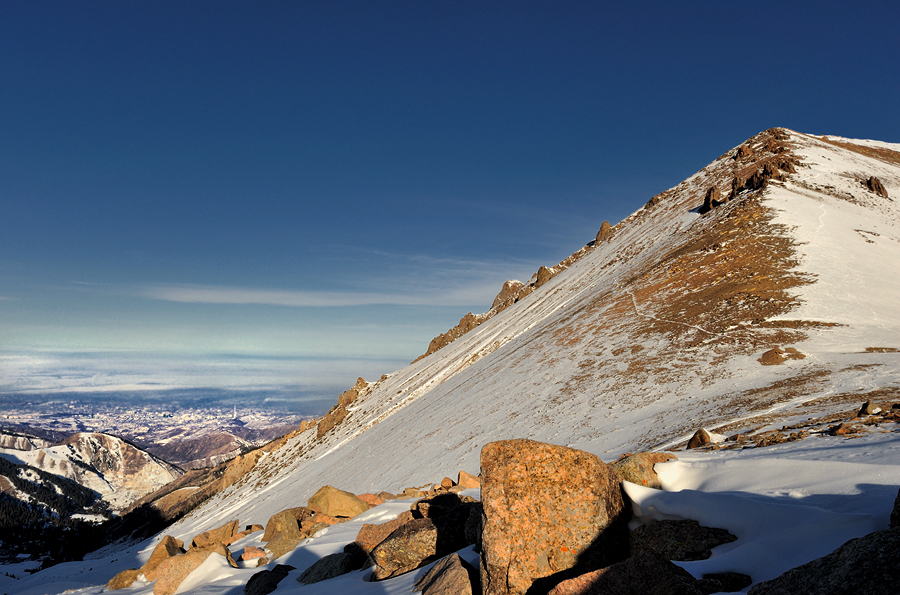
x: 334, y: 183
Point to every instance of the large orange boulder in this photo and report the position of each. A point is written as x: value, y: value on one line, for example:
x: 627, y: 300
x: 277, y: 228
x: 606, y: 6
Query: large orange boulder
x: 218, y: 535
x: 336, y: 503
x: 165, y: 549
x: 172, y: 571
x: 550, y: 513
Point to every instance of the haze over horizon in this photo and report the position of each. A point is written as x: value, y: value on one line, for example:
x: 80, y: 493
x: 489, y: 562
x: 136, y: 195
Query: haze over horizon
x: 280, y: 196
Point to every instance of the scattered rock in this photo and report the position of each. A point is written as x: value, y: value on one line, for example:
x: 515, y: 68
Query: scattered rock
x: 286, y: 524
x: 682, y: 541
x: 219, y: 535
x: 336, y: 503
x: 773, y: 357
x: 468, y: 481
x: 165, y: 549
x: 604, y: 233
x: 124, y: 579
x: 447, y: 483
x: 253, y: 529
x: 263, y: 583
x: 743, y: 151
x: 645, y: 574
x: 548, y: 510
x: 875, y: 185
x: 700, y: 438
x: 371, y: 499
x: 173, y: 570
x: 371, y: 535
x: 895, y: 513
x: 638, y: 468
x: 868, y: 408
x: 331, y: 566
x: 869, y: 565
x: 251, y: 552
x: 450, y: 576
x: 410, y: 546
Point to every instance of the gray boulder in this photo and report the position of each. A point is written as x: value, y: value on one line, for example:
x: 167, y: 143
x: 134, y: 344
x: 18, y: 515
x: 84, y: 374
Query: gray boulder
x: 869, y: 565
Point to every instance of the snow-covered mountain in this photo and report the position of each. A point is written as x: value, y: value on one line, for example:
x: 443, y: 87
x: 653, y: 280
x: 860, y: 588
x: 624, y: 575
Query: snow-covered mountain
x: 650, y: 334
x: 118, y: 471
x: 761, y: 291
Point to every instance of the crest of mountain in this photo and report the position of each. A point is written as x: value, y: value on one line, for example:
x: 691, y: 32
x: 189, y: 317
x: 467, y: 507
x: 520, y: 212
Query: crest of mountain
x: 635, y: 341
x: 113, y: 468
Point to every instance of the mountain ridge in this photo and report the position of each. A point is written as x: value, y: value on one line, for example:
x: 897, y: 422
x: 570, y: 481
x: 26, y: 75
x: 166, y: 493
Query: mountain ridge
x: 684, y: 352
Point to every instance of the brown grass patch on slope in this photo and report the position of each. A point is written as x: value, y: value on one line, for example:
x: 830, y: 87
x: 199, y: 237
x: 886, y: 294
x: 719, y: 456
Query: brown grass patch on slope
x: 880, y: 153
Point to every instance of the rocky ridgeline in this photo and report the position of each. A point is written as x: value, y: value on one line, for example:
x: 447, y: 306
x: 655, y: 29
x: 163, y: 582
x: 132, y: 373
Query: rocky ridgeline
x: 551, y: 520
x: 513, y: 291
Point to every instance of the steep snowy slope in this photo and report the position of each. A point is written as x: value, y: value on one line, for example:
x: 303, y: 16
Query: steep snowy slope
x: 649, y: 335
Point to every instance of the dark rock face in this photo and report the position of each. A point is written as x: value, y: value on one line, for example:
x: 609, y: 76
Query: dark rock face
x: 412, y: 545
x: 644, y: 574
x: 638, y: 468
x: 550, y: 513
x: 869, y: 565
x: 451, y: 576
x: 678, y: 540
x: 712, y: 200
x: 331, y: 566
x: 724, y: 582
x: 895, y: 513
x: 875, y: 185
x: 263, y: 583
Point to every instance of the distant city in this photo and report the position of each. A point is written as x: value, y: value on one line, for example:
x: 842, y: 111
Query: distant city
x: 149, y: 418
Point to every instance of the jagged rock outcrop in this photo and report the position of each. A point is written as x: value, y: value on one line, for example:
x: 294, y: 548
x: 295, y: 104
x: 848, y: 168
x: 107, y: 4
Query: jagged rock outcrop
x: 563, y: 508
x: 875, y: 185
x: 508, y: 294
x: 712, y: 200
x: 604, y: 233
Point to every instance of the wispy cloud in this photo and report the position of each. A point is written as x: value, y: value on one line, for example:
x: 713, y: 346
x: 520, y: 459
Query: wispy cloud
x: 211, y: 294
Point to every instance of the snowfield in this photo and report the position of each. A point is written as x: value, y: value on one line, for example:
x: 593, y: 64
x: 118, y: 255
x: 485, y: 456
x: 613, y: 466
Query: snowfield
x: 647, y: 337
